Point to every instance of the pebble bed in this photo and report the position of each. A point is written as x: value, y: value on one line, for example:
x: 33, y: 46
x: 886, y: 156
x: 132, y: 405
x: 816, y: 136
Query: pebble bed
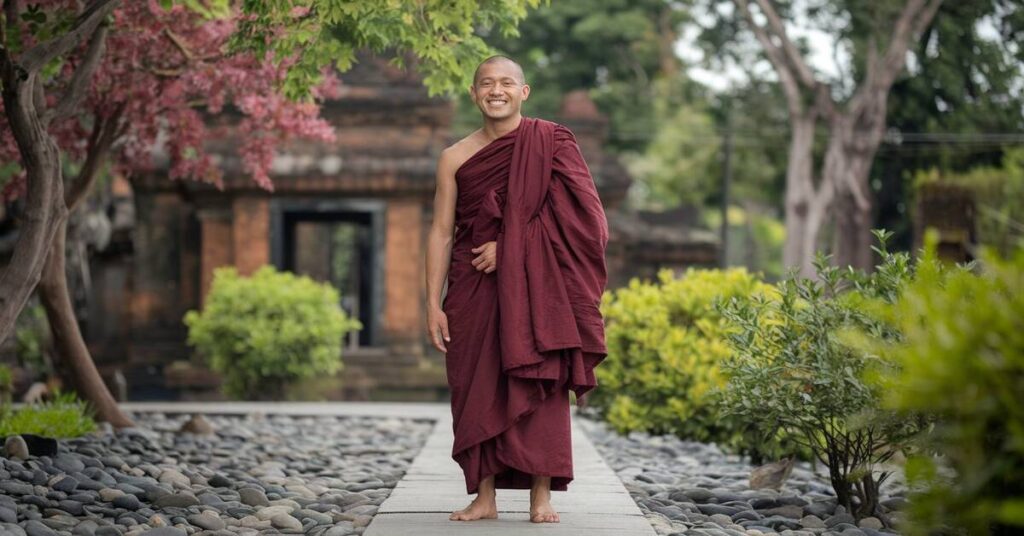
x: 687, y: 488
x: 257, y: 474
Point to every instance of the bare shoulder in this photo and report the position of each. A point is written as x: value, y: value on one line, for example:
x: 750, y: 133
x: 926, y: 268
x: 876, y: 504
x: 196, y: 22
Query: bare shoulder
x: 457, y: 153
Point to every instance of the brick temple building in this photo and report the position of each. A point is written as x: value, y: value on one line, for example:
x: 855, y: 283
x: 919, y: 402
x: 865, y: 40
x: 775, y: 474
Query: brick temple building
x: 355, y: 213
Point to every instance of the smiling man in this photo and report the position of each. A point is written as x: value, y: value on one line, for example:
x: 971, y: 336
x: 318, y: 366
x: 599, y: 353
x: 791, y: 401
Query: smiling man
x: 520, y: 234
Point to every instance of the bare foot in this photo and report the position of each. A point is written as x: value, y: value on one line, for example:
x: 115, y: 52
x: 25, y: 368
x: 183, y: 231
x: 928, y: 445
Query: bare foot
x: 484, y: 506
x: 480, y: 508
x: 540, y: 501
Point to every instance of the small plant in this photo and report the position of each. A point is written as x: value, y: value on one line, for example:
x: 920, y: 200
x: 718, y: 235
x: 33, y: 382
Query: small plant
x: 263, y: 331
x: 792, y: 371
x: 63, y: 417
x: 961, y: 361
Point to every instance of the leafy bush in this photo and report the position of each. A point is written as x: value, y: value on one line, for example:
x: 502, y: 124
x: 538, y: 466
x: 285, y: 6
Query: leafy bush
x: 63, y: 417
x: 791, y: 370
x: 665, y: 341
x: 961, y: 360
x: 263, y: 331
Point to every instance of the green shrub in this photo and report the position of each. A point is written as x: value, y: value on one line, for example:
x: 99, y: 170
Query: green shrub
x: 64, y: 417
x: 791, y: 371
x: 961, y: 360
x: 665, y: 341
x: 32, y: 338
x: 263, y: 331
x: 6, y: 384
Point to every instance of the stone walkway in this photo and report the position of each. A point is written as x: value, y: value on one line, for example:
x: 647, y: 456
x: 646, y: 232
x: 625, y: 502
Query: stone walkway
x: 596, y: 503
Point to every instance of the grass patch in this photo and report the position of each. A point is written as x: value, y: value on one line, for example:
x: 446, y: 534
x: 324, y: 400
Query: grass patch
x: 63, y: 417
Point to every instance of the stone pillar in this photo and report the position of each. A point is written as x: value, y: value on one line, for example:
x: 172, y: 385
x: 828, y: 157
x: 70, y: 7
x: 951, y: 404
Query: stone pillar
x: 217, y: 248
x: 404, y: 276
x: 251, y: 233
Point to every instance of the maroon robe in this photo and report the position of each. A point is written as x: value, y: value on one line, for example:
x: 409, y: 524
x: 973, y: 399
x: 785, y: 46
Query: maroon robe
x: 527, y: 333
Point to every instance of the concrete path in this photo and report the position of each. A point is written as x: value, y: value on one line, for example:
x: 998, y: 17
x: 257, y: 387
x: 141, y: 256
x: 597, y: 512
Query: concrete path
x: 596, y: 503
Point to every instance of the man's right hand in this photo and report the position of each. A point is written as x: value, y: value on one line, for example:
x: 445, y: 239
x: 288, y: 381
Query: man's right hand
x: 437, y: 327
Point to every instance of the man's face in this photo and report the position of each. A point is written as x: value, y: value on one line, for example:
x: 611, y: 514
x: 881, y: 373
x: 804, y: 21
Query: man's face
x: 497, y: 91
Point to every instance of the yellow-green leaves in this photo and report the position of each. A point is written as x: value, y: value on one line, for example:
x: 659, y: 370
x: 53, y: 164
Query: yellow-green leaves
x: 665, y: 343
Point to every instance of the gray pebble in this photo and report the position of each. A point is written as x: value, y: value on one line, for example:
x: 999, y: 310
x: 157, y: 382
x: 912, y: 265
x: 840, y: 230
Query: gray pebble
x: 285, y: 521
x: 206, y: 520
x: 179, y: 500
x: 164, y: 531
x: 16, y: 448
x: 35, y: 528
x: 16, y: 488
x: 12, y: 529
x: 253, y: 497
x: 68, y: 463
x: 127, y: 502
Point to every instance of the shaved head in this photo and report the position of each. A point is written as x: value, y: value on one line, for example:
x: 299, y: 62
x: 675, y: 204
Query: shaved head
x: 520, y: 77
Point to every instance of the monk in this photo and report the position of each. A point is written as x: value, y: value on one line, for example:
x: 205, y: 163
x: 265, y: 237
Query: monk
x: 520, y: 234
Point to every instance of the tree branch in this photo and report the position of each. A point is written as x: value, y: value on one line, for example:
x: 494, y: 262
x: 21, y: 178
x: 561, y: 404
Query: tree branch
x: 81, y: 79
x: 103, y: 135
x: 178, y: 42
x: 882, y: 71
x: 84, y: 25
x: 916, y: 16
x: 777, y: 58
x: 804, y: 73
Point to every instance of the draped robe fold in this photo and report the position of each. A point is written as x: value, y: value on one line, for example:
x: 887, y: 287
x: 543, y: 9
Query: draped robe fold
x: 527, y: 333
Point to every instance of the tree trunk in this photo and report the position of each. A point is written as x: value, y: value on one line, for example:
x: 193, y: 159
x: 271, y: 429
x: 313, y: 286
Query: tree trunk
x: 852, y: 239
x: 44, y: 204
x: 853, y: 144
x: 68, y: 344
x: 806, y: 208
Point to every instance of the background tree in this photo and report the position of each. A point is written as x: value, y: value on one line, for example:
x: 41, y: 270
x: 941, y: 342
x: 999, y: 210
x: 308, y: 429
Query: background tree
x: 622, y: 53
x: 961, y: 104
x: 110, y: 80
x: 851, y: 109
x: 830, y: 185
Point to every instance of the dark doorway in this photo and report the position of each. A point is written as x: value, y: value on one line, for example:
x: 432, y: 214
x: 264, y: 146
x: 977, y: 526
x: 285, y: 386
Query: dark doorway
x: 337, y: 245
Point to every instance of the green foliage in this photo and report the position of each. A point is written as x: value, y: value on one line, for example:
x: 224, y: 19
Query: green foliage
x: 665, y: 342
x: 680, y: 163
x: 961, y: 361
x: 793, y: 370
x: 999, y: 197
x: 756, y: 237
x: 6, y: 384
x: 31, y: 337
x: 309, y: 35
x: 65, y: 416
x: 263, y: 331
x: 614, y: 50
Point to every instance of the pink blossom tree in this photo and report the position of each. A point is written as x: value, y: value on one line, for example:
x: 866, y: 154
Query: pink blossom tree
x: 100, y: 82
x: 145, y: 75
